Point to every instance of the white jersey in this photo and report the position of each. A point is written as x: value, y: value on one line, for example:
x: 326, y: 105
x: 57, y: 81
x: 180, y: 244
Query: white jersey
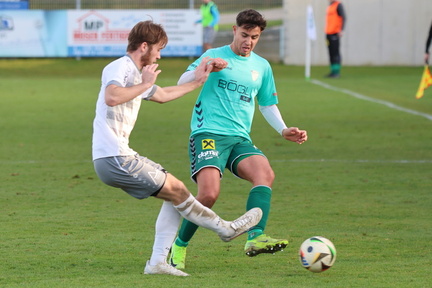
x: 112, y: 126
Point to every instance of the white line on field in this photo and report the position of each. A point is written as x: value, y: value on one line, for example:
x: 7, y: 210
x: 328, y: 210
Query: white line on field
x: 367, y: 98
x: 401, y: 161
x: 354, y: 161
x: 43, y: 161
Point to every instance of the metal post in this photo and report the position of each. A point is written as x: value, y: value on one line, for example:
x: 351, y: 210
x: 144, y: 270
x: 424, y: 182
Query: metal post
x: 78, y: 7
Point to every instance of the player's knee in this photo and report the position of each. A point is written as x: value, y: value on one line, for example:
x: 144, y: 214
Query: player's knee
x: 270, y: 176
x: 176, y: 190
x: 179, y: 188
x: 208, y: 200
x: 265, y: 178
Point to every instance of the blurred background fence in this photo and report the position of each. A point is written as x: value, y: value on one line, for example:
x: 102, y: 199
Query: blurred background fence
x: 383, y: 32
x: 270, y: 47
x: 224, y: 5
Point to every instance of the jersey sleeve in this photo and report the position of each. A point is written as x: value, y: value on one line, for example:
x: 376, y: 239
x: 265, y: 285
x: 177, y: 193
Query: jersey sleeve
x: 115, y: 73
x: 267, y: 95
x: 341, y: 12
x: 149, y: 92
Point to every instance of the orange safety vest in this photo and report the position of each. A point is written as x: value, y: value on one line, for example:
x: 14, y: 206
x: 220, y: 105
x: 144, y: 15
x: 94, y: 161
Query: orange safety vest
x: 334, y: 21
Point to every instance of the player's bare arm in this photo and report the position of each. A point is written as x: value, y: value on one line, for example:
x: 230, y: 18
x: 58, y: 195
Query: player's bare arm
x: 215, y: 64
x: 116, y: 95
x: 170, y: 93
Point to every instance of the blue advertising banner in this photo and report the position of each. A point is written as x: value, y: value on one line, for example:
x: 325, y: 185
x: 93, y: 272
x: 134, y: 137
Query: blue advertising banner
x: 13, y: 4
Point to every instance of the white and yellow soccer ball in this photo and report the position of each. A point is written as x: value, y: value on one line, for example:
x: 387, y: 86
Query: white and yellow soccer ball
x: 317, y: 254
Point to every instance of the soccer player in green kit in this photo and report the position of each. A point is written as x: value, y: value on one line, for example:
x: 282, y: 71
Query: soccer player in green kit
x: 221, y: 123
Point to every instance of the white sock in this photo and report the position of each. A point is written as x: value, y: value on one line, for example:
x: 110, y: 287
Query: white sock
x: 167, y: 224
x: 197, y: 213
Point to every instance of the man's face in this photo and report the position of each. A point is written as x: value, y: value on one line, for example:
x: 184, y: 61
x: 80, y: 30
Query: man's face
x: 151, y: 54
x: 245, y: 40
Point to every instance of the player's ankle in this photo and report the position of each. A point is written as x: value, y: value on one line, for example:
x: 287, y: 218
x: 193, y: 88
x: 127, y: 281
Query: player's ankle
x: 180, y: 242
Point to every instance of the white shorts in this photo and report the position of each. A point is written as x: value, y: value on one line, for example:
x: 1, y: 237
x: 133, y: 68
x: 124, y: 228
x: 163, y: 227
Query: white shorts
x: 139, y: 176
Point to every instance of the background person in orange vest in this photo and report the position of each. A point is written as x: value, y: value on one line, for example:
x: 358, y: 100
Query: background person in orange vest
x: 210, y: 19
x: 428, y: 42
x: 335, y: 23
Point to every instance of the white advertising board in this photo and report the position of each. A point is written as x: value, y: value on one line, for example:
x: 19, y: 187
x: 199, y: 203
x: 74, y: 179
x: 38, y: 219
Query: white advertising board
x: 105, y: 32
x: 93, y: 33
x: 32, y: 33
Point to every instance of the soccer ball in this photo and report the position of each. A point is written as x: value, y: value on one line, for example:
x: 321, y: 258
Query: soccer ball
x: 317, y: 254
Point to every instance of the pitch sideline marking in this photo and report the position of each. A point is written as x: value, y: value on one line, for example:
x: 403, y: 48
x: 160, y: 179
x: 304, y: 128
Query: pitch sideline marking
x: 355, y: 161
x: 367, y: 98
x: 400, y: 161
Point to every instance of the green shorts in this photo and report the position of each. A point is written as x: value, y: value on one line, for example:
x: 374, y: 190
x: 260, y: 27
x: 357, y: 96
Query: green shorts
x: 219, y: 151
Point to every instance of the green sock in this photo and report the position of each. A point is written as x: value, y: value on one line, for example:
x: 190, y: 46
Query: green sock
x: 252, y: 234
x: 187, y: 230
x: 181, y: 243
x: 259, y: 196
x: 335, y: 68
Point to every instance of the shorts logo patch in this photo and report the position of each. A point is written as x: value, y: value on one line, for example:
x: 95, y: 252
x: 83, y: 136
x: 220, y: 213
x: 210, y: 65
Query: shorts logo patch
x: 208, y: 144
x: 154, y: 175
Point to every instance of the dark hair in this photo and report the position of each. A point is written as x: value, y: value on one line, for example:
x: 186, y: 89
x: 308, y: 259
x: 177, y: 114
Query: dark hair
x: 146, y: 31
x: 250, y: 19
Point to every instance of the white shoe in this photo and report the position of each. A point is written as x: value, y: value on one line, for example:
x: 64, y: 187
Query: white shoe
x: 242, y: 224
x: 163, y: 268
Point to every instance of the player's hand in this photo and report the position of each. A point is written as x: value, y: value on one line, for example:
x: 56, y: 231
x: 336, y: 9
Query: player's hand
x: 207, y: 66
x: 203, y: 70
x: 217, y: 64
x: 149, y: 74
x: 294, y: 134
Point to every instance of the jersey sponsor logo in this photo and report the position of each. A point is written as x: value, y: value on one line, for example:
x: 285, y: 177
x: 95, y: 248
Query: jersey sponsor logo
x: 255, y: 75
x: 233, y: 86
x: 208, y: 144
x: 245, y: 98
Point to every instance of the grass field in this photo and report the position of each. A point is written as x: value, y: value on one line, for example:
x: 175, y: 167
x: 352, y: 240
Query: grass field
x: 363, y: 180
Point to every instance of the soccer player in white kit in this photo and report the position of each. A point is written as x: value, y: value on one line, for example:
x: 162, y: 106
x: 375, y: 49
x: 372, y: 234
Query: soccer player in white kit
x: 125, y: 83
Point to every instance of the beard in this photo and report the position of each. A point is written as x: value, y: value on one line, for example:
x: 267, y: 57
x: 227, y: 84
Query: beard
x: 145, y: 59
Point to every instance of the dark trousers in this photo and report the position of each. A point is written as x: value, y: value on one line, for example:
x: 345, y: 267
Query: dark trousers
x: 333, y: 48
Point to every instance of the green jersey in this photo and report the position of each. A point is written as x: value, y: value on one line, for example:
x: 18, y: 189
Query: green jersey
x: 226, y: 103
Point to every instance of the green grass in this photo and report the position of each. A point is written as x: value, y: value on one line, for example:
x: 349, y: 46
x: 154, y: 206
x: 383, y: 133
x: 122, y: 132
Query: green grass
x: 363, y: 180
